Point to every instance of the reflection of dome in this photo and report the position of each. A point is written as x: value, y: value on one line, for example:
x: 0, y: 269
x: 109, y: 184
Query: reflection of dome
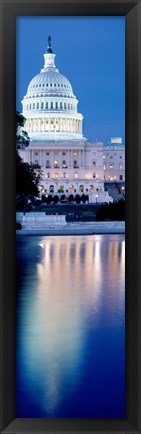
x: 50, y: 106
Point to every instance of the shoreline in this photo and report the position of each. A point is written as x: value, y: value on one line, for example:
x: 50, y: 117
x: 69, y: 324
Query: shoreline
x: 79, y: 228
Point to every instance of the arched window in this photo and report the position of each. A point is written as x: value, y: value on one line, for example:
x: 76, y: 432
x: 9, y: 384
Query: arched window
x: 47, y: 164
x: 51, y: 189
x: 56, y: 163
x: 71, y: 188
x: 81, y: 188
x: 91, y: 187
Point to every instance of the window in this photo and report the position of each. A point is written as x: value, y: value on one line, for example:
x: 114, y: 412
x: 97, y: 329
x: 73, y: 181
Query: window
x: 51, y: 105
x: 94, y: 175
x: 56, y: 105
x: 47, y: 153
x: 50, y: 84
x: 36, y: 163
x: 81, y: 188
x: 46, y: 105
x: 47, y: 163
x: 55, y: 163
x: 111, y: 156
x: 54, y: 84
x: 51, y: 189
x: 34, y: 105
x: 60, y: 105
x: 42, y: 105
x: 63, y: 153
x: 39, y: 85
x: 64, y: 163
x: 120, y: 156
x: 111, y: 165
x: 48, y: 174
x: 91, y: 187
x: 61, y: 188
x: 120, y: 166
x: 64, y: 175
x: 75, y: 163
x: 68, y: 106
x: 65, y: 106
x: 37, y: 105
x: 94, y: 163
x: 121, y: 177
x: 76, y: 175
x: 36, y: 153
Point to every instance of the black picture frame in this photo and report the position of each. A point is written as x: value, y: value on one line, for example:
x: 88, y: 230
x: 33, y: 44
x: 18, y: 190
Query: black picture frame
x: 131, y: 9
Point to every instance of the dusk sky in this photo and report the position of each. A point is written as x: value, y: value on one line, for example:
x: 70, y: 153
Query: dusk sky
x: 90, y: 52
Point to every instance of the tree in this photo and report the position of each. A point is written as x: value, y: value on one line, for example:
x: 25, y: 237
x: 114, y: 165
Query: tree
x: 22, y: 138
x: 27, y: 175
x: 27, y: 180
x: 112, y: 211
x: 63, y: 198
x: 77, y: 198
x: 71, y: 198
x: 56, y: 199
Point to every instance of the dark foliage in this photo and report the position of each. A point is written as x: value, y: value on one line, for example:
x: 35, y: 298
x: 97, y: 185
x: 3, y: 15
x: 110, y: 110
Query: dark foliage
x: 111, y: 211
x: 71, y: 198
x: 56, y: 199
x: 22, y: 138
x: 77, y: 198
x: 27, y: 178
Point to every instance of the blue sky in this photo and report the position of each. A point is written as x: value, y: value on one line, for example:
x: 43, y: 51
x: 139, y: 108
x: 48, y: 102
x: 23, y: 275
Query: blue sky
x: 90, y: 52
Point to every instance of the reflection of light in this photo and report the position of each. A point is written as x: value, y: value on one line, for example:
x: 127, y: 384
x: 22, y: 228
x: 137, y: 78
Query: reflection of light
x: 65, y: 295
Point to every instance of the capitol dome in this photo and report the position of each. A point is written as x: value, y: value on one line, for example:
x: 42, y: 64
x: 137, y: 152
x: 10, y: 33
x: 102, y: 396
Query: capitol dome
x: 50, y: 106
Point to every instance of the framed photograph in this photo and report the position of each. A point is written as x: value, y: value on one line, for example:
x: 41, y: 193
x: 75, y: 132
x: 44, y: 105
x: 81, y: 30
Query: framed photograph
x: 70, y: 360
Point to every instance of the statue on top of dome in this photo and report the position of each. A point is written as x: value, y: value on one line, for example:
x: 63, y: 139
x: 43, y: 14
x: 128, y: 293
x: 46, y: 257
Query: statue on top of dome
x: 49, y: 49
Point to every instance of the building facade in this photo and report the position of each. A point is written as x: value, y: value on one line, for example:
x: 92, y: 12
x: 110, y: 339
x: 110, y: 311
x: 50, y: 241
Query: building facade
x: 70, y: 164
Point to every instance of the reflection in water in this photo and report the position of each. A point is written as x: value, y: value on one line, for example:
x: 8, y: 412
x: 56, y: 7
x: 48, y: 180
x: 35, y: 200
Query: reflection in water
x: 70, y: 326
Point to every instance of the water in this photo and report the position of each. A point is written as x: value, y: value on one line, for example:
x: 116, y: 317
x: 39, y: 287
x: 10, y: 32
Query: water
x: 70, y: 351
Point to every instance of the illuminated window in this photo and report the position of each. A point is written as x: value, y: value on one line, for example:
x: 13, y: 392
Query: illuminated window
x: 91, y: 187
x: 76, y: 175
x: 81, y: 188
x: 55, y: 163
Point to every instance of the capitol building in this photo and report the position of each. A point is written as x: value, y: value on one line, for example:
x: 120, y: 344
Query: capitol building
x: 70, y: 163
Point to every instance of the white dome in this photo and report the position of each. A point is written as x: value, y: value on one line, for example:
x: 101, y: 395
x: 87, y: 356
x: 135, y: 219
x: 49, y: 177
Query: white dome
x: 50, y: 105
x: 50, y: 82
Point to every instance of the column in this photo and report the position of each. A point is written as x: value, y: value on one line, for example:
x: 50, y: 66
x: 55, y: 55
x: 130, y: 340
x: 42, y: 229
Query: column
x: 79, y: 158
